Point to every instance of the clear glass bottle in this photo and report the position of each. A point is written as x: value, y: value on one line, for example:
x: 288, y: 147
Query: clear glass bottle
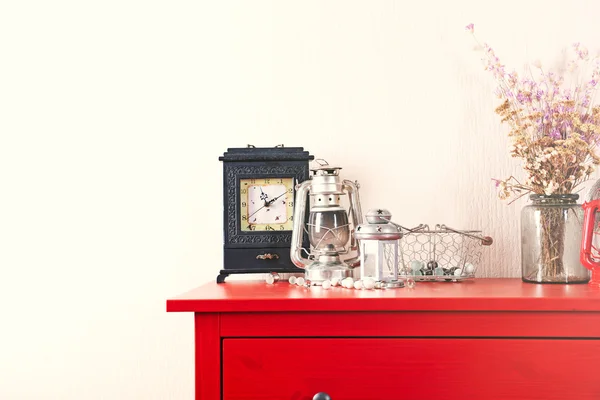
x: 551, y: 230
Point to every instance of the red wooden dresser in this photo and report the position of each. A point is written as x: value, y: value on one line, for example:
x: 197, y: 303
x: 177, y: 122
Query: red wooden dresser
x: 486, y: 339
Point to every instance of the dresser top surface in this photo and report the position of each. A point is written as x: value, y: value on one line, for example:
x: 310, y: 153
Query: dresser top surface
x: 506, y: 294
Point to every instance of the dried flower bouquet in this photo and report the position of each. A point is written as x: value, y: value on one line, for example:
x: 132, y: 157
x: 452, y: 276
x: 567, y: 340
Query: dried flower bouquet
x: 554, y: 130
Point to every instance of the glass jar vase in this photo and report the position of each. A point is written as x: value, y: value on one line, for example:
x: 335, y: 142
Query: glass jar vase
x: 551, y: 230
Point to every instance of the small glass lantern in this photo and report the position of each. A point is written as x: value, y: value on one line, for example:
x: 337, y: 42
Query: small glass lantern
x: 379, y: 242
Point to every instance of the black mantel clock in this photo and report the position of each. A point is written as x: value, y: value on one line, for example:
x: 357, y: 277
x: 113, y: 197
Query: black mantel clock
x: 259, y: 187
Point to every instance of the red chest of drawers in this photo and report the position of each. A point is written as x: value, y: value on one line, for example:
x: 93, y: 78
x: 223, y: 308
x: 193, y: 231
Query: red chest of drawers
x: 486, y: 339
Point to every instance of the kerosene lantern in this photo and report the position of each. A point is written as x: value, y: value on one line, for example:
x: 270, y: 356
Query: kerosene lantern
x: 379, y: 241
x: 590, y: 243
x: 328, y: 227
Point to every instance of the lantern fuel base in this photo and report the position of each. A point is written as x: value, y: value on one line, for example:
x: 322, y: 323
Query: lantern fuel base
x: 328, y: 227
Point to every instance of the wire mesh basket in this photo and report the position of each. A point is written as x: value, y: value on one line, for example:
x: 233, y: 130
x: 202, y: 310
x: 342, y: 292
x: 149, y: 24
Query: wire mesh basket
x: 441, y: 254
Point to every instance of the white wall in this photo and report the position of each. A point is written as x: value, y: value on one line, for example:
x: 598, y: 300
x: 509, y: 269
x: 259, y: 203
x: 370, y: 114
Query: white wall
x: 113, y: 114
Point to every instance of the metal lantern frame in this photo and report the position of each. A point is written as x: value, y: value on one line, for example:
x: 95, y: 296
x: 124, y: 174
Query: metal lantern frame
x: 386, y: 255
x: 322, y: 195
x: 379, y: 243
x: 590, y: 252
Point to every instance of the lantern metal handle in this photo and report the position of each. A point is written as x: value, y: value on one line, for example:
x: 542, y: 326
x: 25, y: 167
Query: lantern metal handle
x: 297, y: 230
x: 590, y: 208
x: 356, y: 212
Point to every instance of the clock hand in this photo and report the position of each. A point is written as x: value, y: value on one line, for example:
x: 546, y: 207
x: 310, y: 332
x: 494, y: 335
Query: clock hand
x: 263, y: 195
x: 267, y: 204
x: 272, y: 200
x: 250, y: 216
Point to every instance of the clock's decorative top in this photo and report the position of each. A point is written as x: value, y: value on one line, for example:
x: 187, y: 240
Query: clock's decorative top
x: 266, y: 154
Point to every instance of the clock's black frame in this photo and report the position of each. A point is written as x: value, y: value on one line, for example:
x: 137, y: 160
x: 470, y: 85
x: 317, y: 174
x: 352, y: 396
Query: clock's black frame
x: 241, y: 248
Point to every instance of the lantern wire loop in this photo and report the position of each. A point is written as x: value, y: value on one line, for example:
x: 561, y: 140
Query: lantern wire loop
x: 595, y: 252
x: 329, y: 231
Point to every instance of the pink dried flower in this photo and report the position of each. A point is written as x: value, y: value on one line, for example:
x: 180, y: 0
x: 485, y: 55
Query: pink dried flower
x: 555, y: 130
x: 470, y: 28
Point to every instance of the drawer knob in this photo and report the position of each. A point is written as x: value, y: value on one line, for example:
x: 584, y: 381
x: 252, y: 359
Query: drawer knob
x: 321, y: 396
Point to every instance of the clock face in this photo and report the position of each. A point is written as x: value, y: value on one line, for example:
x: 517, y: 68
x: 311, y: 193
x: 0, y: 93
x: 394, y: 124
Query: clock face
x: 267, y: 204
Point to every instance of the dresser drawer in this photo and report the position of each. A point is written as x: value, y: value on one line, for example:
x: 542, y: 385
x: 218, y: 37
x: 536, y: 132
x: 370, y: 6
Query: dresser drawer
x: 364, y: 369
